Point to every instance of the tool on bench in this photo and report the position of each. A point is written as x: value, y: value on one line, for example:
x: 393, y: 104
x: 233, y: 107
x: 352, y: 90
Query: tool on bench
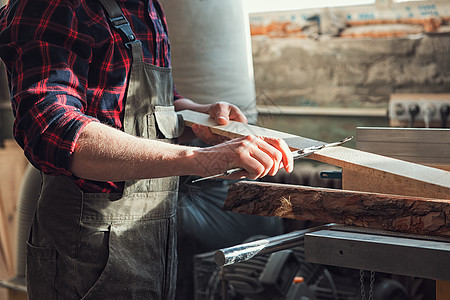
x: 296, y: 154
x: 243, y: 252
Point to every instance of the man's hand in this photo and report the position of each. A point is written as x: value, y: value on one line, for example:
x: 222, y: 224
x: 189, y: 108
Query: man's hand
x: 221, y: 112
x: 104, y: 153
x: 258, y: 156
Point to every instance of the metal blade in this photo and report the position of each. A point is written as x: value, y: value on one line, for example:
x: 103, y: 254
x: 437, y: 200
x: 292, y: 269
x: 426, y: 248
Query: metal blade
x: 307, y: 151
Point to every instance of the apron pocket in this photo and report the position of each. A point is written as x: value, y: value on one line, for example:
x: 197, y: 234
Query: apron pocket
x: 168, y: 122
x: 93, y: 257
x: 41, y: 272
x: 137, y: 267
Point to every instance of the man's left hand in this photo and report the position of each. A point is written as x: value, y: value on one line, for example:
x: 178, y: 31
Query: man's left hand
x: 222, y: 113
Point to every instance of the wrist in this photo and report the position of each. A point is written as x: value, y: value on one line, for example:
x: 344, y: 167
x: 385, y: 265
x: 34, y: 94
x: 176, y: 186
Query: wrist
x: 190, y: 161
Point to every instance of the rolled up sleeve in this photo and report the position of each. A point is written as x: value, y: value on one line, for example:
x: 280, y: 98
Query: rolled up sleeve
x: 48, y: 62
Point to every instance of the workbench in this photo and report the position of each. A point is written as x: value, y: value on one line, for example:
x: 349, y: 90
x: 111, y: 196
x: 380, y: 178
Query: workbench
x: 380, y: 251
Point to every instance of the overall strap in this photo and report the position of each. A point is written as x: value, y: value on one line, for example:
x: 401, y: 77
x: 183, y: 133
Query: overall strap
x: 121, y: 24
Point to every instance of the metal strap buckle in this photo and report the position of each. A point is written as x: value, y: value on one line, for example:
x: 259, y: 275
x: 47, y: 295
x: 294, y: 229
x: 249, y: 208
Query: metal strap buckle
x: 122, y: 24
x: 120, y: 20
x: 131, y: 43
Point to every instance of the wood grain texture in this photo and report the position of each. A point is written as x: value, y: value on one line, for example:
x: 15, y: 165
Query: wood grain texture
x: 404, y: 135
x: 406, y: 214
x: 236, y: 129
x: 12, y: 167
x: 413, y: 179
x: 418, y: 145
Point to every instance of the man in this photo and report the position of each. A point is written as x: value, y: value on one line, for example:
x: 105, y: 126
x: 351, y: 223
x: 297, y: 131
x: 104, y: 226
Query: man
x: 92, y: 94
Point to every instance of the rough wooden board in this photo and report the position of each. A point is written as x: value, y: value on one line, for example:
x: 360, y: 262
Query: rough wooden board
x: 379, y: 211
x: 414, y: 179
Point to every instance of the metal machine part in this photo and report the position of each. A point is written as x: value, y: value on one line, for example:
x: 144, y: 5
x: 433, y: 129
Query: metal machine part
x: 286, y: 275
x: 243, y: 252
x: 419, y: 110
x: 380, y: 251
x: 357, y: 248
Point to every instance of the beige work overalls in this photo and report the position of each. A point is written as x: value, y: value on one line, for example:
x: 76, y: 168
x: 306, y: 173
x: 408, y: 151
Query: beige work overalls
x: 112, y: 246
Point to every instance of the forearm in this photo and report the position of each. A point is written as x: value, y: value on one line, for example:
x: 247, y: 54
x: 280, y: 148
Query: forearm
x: 103, y: 153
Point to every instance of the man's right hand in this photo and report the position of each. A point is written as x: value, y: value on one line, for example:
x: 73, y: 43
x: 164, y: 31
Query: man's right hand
x: 258, y: 156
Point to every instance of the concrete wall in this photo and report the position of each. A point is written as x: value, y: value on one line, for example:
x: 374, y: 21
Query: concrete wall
x: 349, y: 72
x: 348, y: 57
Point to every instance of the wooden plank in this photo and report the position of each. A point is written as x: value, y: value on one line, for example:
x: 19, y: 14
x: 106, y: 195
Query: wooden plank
x: 4, y: 293
x: 419, y: 145
x: 406, y: 135
x: 446, y: 168
x: 388, y: 175
x: 12, y: 167
x: 420, y: 97
x: 353, y: 180
x: 442, y: 290
x: 413, y: 179
x: 17, y: 295
x: 236, y: 129
x: 321, y: 111
x: 440, y: 152
x: 414, y: 215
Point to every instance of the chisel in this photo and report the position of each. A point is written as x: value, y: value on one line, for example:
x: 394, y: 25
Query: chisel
x: 295, y: 154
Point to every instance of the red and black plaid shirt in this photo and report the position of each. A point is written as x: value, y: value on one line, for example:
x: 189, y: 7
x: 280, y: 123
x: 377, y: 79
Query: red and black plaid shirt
x: 67, y: 67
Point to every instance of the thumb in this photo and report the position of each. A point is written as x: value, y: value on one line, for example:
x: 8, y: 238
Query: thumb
x: 222, y: 119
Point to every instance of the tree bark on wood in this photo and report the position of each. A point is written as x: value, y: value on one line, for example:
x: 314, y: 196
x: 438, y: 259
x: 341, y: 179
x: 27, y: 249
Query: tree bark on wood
x: 405, y: 214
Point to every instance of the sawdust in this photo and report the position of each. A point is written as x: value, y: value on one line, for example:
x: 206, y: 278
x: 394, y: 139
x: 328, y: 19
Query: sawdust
x: 285, y: 208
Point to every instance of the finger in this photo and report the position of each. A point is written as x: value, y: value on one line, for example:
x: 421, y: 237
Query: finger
x: 274, y: 154
x: 262, y: 160
x: 220, y: 112
x: 237, y: 115
x: 287, y: 158
x: 204, y: 133
x: 247, y: 155
x: 286, y: 154
x: 266, y: 164
x: 255, y: 167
